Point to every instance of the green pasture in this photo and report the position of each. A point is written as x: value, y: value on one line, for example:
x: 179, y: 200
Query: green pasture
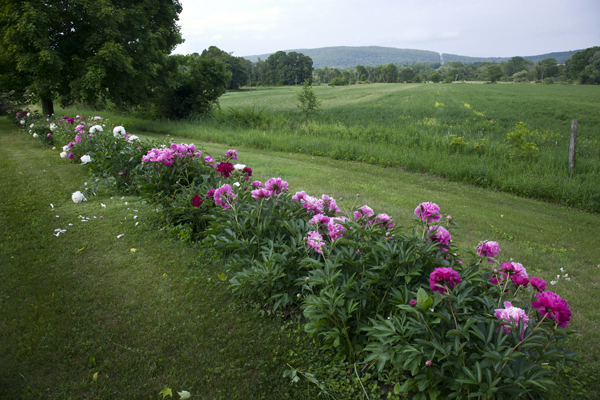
x: 456, y: 131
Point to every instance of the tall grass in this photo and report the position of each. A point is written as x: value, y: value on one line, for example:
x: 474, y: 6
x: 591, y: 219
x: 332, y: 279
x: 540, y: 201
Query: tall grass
x: 453, y: 131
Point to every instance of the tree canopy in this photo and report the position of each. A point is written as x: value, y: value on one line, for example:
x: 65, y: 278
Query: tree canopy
x: 287, y: 69
x: 237, y: 66
x: 86, y: 50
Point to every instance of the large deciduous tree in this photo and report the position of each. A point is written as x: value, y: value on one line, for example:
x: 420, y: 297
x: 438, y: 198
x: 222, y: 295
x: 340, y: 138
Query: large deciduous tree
x: 86, y: 50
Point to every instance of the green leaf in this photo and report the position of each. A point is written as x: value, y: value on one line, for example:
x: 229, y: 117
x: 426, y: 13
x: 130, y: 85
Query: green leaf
x: 427, y: 304
x: 166, y: 392
x: 421, y: 297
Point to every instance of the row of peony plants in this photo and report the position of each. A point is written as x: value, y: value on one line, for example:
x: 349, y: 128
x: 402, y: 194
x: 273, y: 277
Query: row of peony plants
x: 456, y: 325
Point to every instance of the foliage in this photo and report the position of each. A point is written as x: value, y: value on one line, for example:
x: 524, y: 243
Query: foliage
x: 494, y: 72
x: 308, y: 102
x: 86, y: 51
x: 517, y: 138
x: 583, y: 66
x: 238, y: 67
x: 338, y: 82
x: 286, y: 69
x: 196, y: 89
x: 435, y: 78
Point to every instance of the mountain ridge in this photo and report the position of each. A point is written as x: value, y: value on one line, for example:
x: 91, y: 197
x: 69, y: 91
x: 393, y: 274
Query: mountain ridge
x: 350, y: 56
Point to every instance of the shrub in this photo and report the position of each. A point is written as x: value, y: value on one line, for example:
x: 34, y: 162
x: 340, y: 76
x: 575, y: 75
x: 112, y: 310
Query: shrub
x: 338, y: 82
x: 517, y: 138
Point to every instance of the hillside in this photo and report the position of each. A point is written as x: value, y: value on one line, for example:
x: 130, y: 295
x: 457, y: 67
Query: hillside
x: 346, y: 56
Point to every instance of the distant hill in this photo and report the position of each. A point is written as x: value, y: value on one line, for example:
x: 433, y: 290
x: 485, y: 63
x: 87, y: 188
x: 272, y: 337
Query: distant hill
x: 346, y: 56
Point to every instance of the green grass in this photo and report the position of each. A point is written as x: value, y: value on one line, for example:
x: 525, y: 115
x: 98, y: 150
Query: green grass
x: 149, y: 308
x: 413, y: 126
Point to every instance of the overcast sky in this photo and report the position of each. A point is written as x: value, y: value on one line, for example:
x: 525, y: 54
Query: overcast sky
x: 484, y: 28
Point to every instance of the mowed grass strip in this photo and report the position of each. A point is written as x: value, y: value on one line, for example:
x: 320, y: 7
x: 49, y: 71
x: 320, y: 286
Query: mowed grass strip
x: 90, y: 315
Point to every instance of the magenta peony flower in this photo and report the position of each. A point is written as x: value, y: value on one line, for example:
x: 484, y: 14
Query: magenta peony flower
x: 224, y: 196
x: 429, y: 212
x: 231, y: 154
x: 225, y: 169
x: 550, y: 304
x: 208, y: 159
x: 538, y: 284
x: 443, y: 276
x: 276, y: 185
x: 520, y: 280
x: 210, y: 194
x: 71, y: 156
x: 329, y: 202
x: 247, y: 173
x: 488, y: 249
x: 439, y: 234
x: 315, y: 240
x: 196, y: 201
x: 261, y: 194
x: 412, y: 302
x: 257, y: 184
x: 512, y: 314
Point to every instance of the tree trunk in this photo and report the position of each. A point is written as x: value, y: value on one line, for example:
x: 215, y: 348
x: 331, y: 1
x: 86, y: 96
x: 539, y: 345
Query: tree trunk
x: 47, y: 107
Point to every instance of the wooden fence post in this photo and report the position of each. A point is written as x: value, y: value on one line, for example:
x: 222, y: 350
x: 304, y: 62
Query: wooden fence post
x: 572, y: 147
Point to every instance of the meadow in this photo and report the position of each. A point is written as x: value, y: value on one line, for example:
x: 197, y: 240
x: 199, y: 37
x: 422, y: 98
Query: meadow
x: 458, y: 132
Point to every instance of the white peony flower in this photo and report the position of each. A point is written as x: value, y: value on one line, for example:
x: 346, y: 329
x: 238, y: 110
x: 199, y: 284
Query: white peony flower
x: 133, y: 138
x: 53, y: 126
x: 35, y: 135
x: 96, y: 128
x: 31, y: 126
x: 63, y: 154
x: 119, y: 131
x: 239, y: 167
x: 236, y: 184
x: 85, y: 159
x: 28, y: 114
x: 78, y: 197
x: 22, y: 122
x: 65, y: 147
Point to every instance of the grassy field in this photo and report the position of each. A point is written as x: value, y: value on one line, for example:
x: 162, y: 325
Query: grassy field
x: 456, y: 131
x: 544, y: 237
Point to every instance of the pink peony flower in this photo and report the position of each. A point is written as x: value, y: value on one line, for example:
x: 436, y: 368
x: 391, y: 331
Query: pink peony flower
x: 196, y: 201
x: 276, y: 185
x: 439, y: 234
x: 315, y: 240
x: 225, y: 169
x: 320, y: 219
x: 261, y: 194
x: 384, y: 221
x: 512, y: 314
x: 298, y: 196
x: 335, y: 229
x: 538, y: 284
x: 550, y: 304
x: 208, y: 159
x: 257, y: 184
x: 71, y: 156
x: 443, y: 276
x: 364, y: 211
x: 224, y: 196
x: 231, y: 154
x: 412, y: 302
x: 428, y: 212
x: 329, y: 202
x: 488, y: 249
x: 514, y: 269
x: 210, y: 194
x: 312, y: 204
